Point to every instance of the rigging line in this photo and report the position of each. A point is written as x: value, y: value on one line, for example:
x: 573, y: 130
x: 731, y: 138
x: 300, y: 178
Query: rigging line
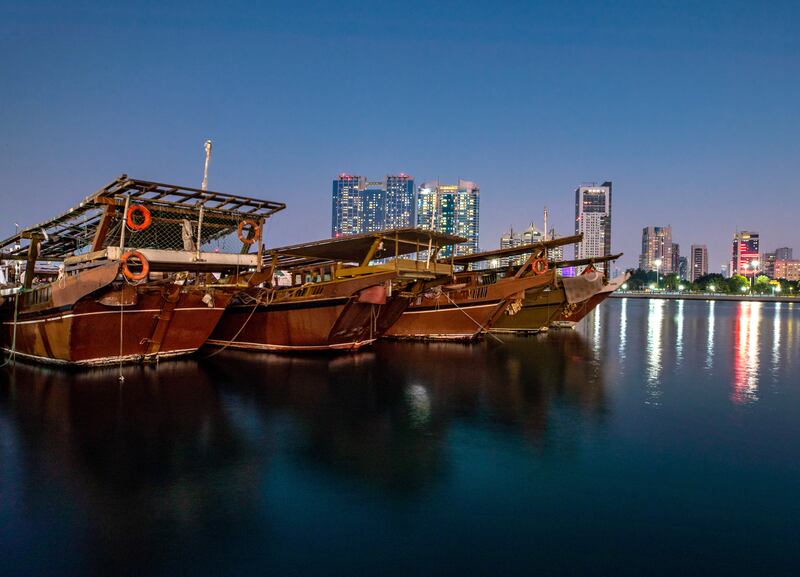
x: 121, y: 377
x: 247, y: 320
x: 495, y: 337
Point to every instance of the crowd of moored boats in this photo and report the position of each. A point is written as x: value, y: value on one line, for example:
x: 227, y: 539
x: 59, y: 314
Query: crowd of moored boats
x: 141, y: 271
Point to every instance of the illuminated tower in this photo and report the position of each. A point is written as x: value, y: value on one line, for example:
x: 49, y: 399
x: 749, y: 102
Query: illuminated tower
x: 451, y: 209
x: 698, y: 266
x: 593, y: 220
x: 745, y: 252
x: 360, y: 205
x: 656, y: 245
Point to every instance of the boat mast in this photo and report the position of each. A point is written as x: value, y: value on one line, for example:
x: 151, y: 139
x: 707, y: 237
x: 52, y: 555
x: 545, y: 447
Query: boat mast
x: 207, y: 146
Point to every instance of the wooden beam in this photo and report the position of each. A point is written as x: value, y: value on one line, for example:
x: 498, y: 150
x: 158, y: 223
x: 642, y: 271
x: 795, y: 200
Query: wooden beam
x: 372, y: 250
x: 30, y: 267
x: 101, y: 231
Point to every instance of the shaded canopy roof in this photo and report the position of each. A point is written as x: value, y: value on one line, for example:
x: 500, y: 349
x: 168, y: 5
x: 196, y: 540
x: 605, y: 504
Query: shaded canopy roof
x: 74, y: 229
x: 515, y: 250
x: 585, y: 261
x: 356, y: 248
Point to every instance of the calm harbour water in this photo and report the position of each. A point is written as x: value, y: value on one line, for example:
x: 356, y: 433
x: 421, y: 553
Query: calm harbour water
x: 659, y: 437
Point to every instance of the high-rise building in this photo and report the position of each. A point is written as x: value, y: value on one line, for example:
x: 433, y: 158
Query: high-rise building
x: 787, y: 269
x: 745, y: 253
x: 683, y: 265
x: 723, y: 270
x: 512, y: 239
x: 768, y: 264
x: 676, y: 258
x: 768, y: 260
x: 593, y: 220
x: 656, y: 245
x: 361, y: 205
x: 451, y: 209
x: 699, y: 261
x: 399, y: 201
x: 346, y: 214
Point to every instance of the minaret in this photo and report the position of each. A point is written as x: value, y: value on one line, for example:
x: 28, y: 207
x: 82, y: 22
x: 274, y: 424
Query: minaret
x: 545, y: 223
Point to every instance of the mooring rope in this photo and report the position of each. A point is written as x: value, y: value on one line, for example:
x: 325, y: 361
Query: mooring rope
x: 258, y: 302
x: 121, y: 377
x: 480, y: 326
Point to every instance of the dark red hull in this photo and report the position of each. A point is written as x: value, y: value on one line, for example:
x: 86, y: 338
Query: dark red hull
x: 462, y: 314
x: 153, y: 322
x: 327, y: 316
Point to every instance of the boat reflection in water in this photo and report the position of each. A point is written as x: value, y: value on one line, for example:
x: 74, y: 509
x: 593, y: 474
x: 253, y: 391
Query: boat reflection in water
x: 179, y: 450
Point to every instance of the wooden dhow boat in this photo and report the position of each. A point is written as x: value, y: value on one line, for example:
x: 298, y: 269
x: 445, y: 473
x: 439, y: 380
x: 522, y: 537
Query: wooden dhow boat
x: 338, y: 294
x: 134, y: 273
x: 563, y: 299
x: 572, y: 313
x: 467, y: 307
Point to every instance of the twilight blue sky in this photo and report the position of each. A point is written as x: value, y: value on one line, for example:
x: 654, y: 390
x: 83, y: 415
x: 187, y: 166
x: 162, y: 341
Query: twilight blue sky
x: 691, y: 108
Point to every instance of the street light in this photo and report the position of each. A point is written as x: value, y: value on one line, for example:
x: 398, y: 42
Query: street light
x: 753, y: 265
x: 624, y: 286
x: 652, y: 286
x: 712, y: 288
x: 744, y: 289
x: 681, y: 287
x: 657, y: 262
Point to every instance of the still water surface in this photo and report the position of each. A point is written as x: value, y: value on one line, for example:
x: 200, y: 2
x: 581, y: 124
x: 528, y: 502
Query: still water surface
x: 659, y: 437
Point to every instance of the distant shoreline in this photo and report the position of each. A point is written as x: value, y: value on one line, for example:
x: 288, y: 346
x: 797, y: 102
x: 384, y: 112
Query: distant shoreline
x: 704, y: 297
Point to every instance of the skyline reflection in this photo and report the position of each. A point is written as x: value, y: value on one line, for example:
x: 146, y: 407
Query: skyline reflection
x: 746, y: 353
x: 654, y: 348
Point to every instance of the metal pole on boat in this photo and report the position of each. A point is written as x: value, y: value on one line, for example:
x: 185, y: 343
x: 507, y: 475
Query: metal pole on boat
x: 199, y: 233
x: 124, y: 227
x: 207, y: 146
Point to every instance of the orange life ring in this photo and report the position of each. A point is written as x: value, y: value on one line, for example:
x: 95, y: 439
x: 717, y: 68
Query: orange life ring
x: 146, y: 218
x: 126, y: 269
x: 539, y: 266
x: 252, y: 223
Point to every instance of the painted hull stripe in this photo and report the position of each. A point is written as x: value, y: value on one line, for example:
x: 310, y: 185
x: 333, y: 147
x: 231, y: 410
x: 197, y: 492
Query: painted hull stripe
x: 116, y: 312
x: 449, y: 309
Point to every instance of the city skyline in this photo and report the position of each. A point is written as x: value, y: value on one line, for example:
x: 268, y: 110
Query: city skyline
x: 690, y: 113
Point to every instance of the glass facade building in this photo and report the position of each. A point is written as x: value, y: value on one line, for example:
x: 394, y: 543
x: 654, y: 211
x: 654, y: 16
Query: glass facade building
x: 698, y: 266
x: 360, y: 205
x: 451, y: 209
x: 593, y: 220
x: 745, y: 252
x: 657, y: 245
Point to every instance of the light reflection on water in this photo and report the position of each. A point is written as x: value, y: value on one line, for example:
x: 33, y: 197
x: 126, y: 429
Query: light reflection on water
x: 776, y: 338
x: 654, y: 348
x: 746, y: 353
x: 623, y: 327
x: 679, y: 331
x: 710, y: 338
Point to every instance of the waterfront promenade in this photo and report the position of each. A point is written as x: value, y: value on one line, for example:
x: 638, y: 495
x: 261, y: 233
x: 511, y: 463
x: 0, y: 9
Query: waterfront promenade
x: 668, y: 295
